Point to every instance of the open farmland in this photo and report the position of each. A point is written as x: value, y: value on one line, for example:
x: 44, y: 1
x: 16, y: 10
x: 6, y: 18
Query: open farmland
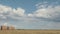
x: 29, y: 31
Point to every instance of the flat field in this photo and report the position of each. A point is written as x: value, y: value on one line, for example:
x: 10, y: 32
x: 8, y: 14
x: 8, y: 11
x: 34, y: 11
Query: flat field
x: 29, y: 31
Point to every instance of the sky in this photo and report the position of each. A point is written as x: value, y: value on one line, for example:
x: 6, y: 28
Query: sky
x: 30, y: 14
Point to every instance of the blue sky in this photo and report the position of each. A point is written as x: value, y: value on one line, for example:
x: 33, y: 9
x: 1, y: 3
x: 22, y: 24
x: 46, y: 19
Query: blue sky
x: 30, y: 14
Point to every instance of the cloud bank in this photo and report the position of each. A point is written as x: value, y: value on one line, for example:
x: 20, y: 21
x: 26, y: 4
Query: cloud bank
x: 45, y: 17
x: 47, y: 11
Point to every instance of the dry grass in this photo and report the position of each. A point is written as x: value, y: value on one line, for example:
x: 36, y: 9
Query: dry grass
x: 29, y: 31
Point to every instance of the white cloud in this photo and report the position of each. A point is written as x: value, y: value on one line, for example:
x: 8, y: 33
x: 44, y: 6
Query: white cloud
x: 47, y: 12
x: 6, y: 10
x: 41, y: 5
x: 30, y: 15
x: 19, y: 11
